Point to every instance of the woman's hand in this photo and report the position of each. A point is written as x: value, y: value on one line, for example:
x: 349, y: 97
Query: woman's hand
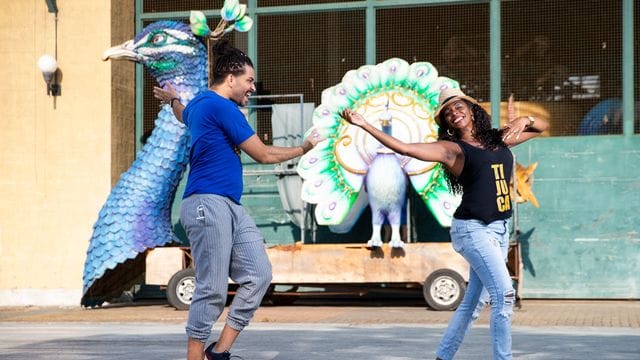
x: 515, y: 128
x: 353, y: 117
x: 166, y: 93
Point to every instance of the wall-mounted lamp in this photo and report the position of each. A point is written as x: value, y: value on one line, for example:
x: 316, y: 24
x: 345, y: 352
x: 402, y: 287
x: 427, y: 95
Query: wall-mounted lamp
x: 49, y: 67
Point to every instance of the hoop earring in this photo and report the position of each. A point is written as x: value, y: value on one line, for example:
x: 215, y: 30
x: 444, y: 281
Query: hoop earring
x: 449, y: 132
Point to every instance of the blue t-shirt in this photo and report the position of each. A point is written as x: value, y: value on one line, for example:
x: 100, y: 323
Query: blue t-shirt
x: 217, y: 128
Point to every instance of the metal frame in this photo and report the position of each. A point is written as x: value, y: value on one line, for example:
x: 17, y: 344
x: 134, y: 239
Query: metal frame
x: 250, y: 107
x: 281, y: 172
x: 628, y: 76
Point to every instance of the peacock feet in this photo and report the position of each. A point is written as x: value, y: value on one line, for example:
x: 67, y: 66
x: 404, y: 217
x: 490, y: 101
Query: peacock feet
x: 374, y: 243
x: 396, y: 244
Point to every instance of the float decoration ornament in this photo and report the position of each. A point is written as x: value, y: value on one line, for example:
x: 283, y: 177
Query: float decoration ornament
x: 137, y: 213
x: 234, y: 17
x: 399, y: 99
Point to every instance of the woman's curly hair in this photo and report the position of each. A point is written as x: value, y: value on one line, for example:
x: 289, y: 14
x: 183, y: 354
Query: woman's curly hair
x: 489, y: 137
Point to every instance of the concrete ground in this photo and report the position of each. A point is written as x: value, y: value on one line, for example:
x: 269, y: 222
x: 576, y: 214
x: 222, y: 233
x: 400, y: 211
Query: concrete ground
x: 310, y: 331
x: 305, y: 341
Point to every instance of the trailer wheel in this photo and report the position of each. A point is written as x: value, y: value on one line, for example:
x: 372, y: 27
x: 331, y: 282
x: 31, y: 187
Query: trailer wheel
x: 180, y: 289
x: 444, y: 289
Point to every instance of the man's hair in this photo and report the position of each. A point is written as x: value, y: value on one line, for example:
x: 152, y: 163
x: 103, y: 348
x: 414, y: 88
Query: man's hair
x: 226, y: 60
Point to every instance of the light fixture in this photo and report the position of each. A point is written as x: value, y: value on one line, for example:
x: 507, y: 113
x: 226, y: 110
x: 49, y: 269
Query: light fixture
x: 49, y: 67
x: 52, y: 6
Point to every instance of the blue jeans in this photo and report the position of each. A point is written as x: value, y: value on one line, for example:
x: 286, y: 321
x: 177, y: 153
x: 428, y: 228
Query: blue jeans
x: 480, y: 244
x: 484, y: 296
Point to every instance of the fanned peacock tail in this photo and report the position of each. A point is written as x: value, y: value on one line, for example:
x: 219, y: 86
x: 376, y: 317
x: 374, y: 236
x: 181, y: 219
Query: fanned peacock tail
x: 137, y: 213
x: 334, y: 171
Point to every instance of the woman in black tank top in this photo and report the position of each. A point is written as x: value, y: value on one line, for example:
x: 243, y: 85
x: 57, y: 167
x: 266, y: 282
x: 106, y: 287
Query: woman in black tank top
x: 478, y: 164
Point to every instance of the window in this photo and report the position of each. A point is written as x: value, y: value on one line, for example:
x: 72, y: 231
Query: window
x: 319, y: 49
x: 454, y: 38
x: 636, y: 41
x: 565, y: 67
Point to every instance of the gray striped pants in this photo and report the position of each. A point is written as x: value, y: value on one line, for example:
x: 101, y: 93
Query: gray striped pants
x: 225, y: 243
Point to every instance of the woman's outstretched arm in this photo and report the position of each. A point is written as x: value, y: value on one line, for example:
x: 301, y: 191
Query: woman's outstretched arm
x: 445, y: 152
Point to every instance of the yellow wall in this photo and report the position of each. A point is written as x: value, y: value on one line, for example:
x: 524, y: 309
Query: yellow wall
x: 54, y: 163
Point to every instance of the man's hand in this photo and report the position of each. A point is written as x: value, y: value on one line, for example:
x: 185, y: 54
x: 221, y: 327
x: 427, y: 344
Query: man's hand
x: 312, y: 140
x: 166, y: 93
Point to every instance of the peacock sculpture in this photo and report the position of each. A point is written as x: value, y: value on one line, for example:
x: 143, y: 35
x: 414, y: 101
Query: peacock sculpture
x: 352, y: 169
x: 137, y: 213
x: 386, y: 193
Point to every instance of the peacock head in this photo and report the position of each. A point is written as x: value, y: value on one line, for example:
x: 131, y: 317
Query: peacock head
x: 168, y: 49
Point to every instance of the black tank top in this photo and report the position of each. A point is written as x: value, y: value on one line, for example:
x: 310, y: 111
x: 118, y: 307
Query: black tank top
x: 485, y: 180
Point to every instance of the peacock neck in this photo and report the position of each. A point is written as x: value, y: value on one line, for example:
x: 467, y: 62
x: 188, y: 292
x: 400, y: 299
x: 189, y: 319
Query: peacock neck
x: 188, y: 85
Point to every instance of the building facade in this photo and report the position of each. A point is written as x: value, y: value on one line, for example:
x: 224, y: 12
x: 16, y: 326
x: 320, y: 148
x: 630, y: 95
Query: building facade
x: 581, y: 70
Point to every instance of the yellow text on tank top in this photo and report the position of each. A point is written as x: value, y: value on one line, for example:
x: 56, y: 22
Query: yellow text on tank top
x: 502, y: 188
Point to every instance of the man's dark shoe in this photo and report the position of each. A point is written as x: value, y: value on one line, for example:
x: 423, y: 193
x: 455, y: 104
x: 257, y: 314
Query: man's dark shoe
x: 208, y: 352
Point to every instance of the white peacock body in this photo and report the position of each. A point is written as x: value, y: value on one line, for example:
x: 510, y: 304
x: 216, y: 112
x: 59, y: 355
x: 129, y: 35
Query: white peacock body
x: 351, y: 168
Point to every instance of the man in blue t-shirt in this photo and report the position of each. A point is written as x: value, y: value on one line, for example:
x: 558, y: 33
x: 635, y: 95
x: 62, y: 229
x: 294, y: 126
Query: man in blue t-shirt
x: 224, y: 239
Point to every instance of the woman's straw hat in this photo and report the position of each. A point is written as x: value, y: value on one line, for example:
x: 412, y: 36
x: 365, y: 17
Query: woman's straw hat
x: 447, y: 96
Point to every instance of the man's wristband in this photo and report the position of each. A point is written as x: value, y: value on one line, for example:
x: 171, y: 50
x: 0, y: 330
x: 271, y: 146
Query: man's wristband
x: 172, y: 100
x: 306, y: 146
